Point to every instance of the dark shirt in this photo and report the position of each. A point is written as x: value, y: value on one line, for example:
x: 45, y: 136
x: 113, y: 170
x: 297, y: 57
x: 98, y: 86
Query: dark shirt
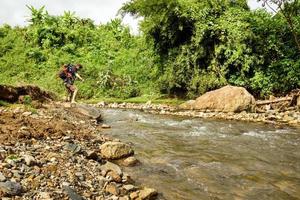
x: 71, y: 74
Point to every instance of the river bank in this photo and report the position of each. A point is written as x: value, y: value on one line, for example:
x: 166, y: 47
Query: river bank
x: 54, y: 153
x: 290, y: 117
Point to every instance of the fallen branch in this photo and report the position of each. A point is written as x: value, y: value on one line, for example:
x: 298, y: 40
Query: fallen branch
x: 274, y: 101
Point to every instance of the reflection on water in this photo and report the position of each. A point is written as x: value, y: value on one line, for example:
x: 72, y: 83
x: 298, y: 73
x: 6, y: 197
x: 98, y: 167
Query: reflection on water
x: 191, y: 159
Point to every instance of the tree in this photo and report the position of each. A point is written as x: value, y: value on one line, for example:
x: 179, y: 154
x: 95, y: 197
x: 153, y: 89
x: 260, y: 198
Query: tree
x: 289, y: 9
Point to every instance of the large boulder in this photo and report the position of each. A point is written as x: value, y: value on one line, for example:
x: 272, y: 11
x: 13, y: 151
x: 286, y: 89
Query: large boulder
x: 225, y: 99
x: 86, y: 110
x: 115, y: 150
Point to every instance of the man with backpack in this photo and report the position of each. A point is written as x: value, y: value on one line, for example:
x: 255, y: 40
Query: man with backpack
x: 68, y: 74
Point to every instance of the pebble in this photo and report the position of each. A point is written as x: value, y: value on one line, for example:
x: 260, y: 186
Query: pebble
x: 2, y: 177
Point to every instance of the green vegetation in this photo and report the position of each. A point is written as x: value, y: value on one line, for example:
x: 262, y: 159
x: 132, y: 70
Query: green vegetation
x: 116, y: 64
x: 186, y: 48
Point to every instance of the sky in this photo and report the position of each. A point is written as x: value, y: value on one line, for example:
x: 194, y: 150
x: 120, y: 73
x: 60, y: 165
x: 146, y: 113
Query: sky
x: 15, y: 12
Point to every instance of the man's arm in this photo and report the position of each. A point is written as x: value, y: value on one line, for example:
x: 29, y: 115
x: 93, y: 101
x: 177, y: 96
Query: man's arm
x: 78, y: 76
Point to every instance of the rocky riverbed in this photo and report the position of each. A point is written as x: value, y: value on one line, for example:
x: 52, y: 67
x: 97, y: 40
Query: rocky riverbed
x: 290, y: 116
x: 53, y: 153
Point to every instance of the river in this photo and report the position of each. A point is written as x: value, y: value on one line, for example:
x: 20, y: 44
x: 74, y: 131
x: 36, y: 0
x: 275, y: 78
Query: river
x: 193, y: 159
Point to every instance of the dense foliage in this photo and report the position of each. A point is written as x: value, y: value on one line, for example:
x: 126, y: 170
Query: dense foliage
x: 209, y: 43
x: 186, y: 48
x: 115, y: 62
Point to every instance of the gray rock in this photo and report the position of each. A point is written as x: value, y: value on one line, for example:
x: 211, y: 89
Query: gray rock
x: 11, y: 188
x: 71, y: 193
x: 74, y: 148
x: 88, y: 111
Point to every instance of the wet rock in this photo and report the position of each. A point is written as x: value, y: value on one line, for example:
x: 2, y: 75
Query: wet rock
x: 11, y: 188
x: 71, y: 193
x: 105, y: 126
x: 87, y: 110
x: 130, y: 161
x: 115, y: 150
x: 112, y: 188
x: 147, y: 194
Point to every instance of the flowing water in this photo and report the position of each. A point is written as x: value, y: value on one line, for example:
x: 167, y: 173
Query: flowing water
x: 194, y: 159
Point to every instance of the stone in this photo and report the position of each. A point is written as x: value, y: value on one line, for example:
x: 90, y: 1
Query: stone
x: 147, y: 194
x: 74, y: 148
x: 2, y: 177
x: 287, y: 118
x: 71, y: 193
x: 87, y: 110
x: 134, y: 195
x: 115, y: 150
x: 130, y: 161
x: 298, y: 101
x: 11, y: 188
x: 112, y: 188
x: 114, y: 176
x: 29, y: 160
x: 129, y: 187
x: 127, y: 179
x: 26, y: 114
x: 105, y: 126
x: 44, y: 196
x: 92, y: 155
x: 109, y: 166
x: 226, y: 99
x: 187, y: 105
x: 124, y: 198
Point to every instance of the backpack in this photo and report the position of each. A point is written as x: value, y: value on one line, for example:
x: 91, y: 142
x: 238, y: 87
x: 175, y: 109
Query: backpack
x: 66, y: 71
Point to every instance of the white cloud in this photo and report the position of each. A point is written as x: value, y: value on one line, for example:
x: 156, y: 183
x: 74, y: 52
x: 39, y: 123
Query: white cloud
x: 15, y: 12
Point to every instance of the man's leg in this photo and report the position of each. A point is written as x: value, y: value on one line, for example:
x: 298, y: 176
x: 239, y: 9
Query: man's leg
x: 74, y: 93
x: 69, y: 92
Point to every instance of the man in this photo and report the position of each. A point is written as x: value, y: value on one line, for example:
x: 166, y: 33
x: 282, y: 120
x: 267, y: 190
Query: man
x: 69, y: 75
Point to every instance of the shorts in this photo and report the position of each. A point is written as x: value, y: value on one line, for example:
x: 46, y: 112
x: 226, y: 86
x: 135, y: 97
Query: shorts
x: 70, y: 87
